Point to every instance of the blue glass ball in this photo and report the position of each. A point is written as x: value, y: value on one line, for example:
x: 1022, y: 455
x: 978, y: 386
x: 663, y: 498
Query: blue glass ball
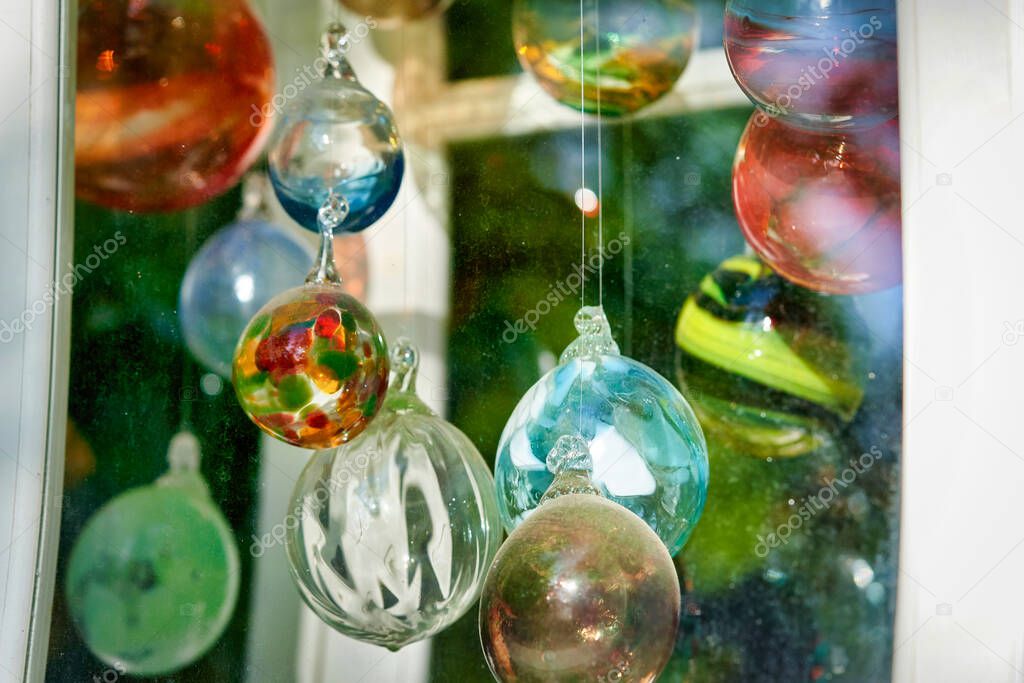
x: 648, y: 449
x: 336, y: 136
x: 238, y: 270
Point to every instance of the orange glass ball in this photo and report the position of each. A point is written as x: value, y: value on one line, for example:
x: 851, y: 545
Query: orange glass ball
x: 822, y: 209
x: 170, y: 103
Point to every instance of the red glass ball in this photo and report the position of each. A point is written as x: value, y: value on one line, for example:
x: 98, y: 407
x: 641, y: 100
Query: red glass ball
x: 822, y: 209
x: 172, y: 103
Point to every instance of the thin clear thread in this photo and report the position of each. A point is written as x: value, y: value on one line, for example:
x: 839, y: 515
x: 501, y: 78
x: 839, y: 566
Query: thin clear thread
x: 583, y: 158
x: 583, y: 184
x: 627, y: 277
x: 600, y: 161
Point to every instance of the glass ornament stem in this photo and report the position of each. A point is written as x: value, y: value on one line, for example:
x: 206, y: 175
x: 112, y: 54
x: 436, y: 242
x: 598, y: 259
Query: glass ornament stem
x: 572, y: 465
x: 595, y: 336
x: 330, y: 217
x: 183, y: 459
x: 405, y: 364
x: 334, y: 46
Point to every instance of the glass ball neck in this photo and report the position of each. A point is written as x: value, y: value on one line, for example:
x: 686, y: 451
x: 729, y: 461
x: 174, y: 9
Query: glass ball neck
x: 183, y: 458
x: 595, y: 336
x: 572, y: 465
x: 334, y: 46
x: 405, y: 364
x: 330, y: 217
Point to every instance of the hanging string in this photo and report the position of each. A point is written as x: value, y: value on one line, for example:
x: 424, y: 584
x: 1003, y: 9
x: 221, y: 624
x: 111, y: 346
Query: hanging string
x: 583, y: 185
x: 583, y: 159
x: 600, y: 161
x: 627, y: 219
x: 400, y: 82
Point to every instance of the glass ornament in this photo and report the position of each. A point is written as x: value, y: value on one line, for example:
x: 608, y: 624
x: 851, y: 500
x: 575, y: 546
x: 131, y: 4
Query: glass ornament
x: 336, y: 137
x: 394, y: 532
x: 818, y: 64
x: 648, y: 448
x: 232, y: 276
x: 767, y: 367
x: 823, y: 210
x: 394, y: 13
x: 170, y: 101
x: 632, y: 52
x: 153, y: 578
x: 583, y: 590
x: 311, y: 368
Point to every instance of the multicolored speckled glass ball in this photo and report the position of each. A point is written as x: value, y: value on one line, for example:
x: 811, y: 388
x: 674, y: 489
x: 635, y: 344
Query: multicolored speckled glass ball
x: 312, y: 367
x: 822, y: 209
x: 153, y: 578
x: 583, y: 590
x: 648, y: 448
x: 626, y: 54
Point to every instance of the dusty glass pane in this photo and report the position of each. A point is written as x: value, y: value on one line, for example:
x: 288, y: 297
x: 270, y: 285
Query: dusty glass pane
x: 821, y: 604
x: 791, y: 572
x: 133, y: 385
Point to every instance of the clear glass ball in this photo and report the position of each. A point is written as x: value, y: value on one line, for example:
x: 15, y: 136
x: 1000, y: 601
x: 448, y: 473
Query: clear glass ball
x: 311, y: 368
x: 172, y: 101
x: 822, y: 209
x: 393, y: 533
x: 583, y: 590
x: 153, y: 579
x: 633, y: 51
x: 232, y: 276
x: 336, y: 136
x: 768, y: 367
x: 647, y: 447
x: 817, y: 64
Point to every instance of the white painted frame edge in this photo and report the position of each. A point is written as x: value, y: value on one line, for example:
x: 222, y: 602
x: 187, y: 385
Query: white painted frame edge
x: 51, y: 187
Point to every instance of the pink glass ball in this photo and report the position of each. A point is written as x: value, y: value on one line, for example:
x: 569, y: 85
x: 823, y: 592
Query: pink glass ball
x: 583, y: 590
x: 822, y: 209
